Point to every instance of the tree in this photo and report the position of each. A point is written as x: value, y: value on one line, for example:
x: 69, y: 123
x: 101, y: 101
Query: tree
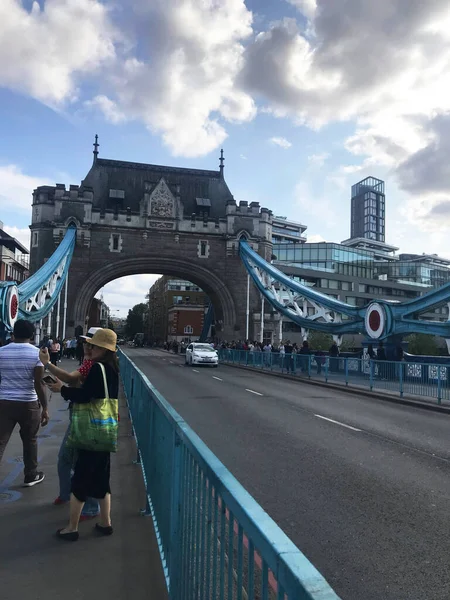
x: 136, y: 319
x: 422, y: 344
x: 318, y: 340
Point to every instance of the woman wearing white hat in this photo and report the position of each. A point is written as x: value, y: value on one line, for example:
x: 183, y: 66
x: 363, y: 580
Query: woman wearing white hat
x: 92, y: 468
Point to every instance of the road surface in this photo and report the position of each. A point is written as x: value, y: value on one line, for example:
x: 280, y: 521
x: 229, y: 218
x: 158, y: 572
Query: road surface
x: 361, y: 486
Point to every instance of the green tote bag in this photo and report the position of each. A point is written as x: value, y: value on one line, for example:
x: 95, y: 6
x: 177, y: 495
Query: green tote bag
x: 94, y: 425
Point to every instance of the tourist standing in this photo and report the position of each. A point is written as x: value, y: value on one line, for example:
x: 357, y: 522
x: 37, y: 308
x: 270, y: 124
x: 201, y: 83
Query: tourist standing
x: 67, y: 455
x: 289, y: 353
x: 334, y: 358
x: 55, y: 347
x: 92, y: 468
x: 23, y: 398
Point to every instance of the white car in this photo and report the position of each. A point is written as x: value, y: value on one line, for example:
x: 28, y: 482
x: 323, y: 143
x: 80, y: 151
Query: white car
x: 201, y: 354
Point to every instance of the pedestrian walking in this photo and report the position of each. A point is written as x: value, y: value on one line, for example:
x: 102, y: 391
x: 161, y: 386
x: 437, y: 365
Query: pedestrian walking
x: 91, y: 476
x: 23, y: 397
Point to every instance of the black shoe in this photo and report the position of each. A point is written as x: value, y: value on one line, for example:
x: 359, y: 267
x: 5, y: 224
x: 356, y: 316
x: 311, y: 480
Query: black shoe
x: 70, y: 536
x: 103, y: 530
x: 30, y: 481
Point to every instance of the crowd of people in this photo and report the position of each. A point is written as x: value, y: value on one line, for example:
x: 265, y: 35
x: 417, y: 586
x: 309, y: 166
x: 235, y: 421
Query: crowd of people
x: 26, y: 373
x: 67, y: 348
x: 284, y: 353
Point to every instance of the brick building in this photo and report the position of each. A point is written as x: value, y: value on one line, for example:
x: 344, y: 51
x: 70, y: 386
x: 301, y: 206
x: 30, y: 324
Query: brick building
x: 98, y: 315
x: 13, y: 258
x: 176, y: 310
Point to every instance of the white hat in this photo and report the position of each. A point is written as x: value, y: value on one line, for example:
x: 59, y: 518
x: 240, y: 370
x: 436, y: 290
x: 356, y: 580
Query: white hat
x: 90, y: 333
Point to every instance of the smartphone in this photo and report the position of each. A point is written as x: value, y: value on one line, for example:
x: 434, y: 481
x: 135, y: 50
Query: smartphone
x: 49, y: 379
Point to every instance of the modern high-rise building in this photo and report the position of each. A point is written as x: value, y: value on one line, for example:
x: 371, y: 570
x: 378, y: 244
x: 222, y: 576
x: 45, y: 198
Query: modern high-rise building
x: 368, y: 210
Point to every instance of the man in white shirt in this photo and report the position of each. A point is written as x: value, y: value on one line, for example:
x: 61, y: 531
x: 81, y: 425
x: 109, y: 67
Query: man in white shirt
x: 23, y: 399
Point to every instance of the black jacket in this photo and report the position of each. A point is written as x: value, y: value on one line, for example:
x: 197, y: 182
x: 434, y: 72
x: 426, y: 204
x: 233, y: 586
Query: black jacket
x: 93, y: 388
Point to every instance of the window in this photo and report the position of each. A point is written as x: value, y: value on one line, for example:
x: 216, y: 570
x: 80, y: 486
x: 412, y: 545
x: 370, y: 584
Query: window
x: 188, y: 330
x: 177, y: 299
x: 115, y: 242
x: 35, y: 239
x: 117, y: 194
x: 346, y: 285
x: 203, y: 249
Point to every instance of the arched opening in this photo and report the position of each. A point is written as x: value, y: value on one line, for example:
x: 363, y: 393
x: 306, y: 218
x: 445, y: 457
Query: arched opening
x: 209, y: 282
x: 243, y: 236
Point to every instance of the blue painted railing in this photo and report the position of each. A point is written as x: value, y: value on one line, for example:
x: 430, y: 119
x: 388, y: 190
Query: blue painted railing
x: 209, y: 317
x: 424, y: 380
x: 215, y: 541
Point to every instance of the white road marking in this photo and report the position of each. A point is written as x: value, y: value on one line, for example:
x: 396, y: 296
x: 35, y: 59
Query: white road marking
x: 253, y: 392
x: 218, y: 378
x: 171, y: 362
x: 195, y: 371
x: 337, y: 423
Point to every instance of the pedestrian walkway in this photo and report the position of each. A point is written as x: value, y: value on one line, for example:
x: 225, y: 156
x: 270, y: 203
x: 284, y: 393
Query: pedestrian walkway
x: 34, y: 565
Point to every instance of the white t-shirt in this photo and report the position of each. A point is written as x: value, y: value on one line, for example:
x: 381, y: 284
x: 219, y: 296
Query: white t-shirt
x: 17, y: 364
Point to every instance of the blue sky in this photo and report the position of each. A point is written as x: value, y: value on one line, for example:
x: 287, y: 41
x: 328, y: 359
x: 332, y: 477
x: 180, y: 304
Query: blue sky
x: 304, y: 98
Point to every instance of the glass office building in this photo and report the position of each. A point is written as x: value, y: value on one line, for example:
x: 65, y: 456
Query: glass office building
x: 419, y: 270
x: 368, y: 210
x: 328, y: 257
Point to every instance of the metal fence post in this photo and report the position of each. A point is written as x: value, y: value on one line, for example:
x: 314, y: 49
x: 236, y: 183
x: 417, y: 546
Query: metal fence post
x: 309, y: 366
x: 371, y: 374
x: 346, y: 370
x: 327, y: 362
x: 175, y: 510
x: 400, y: 375
x: 439, y: 386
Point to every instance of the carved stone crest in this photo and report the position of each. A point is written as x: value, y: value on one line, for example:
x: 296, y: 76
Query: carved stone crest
x: 162, y: 202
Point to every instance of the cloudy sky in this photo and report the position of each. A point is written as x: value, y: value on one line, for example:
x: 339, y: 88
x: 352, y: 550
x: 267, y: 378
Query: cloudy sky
x: 305, y: 96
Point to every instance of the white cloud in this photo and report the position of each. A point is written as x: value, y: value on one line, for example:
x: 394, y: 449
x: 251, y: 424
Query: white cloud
x: 318, y: 160
x: 16, y: 188
x: 390, y: 78
x: 122, y: 294
x: 187, y: 68
x: 22, y: 234
x: 280, y: 141
x: 109, y: 109
x: 306, y: 7
x: 45, y: 51
x: 182, y: 85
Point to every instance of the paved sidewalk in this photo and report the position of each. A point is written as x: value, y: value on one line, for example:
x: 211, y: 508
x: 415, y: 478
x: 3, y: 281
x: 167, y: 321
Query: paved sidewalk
x: 34, y: 565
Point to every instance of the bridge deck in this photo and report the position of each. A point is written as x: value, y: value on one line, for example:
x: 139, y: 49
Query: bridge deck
x: 360, y: 485
x: 35, y: 565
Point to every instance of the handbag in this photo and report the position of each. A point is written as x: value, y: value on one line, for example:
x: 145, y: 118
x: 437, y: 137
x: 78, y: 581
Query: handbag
x: 94, y: 425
